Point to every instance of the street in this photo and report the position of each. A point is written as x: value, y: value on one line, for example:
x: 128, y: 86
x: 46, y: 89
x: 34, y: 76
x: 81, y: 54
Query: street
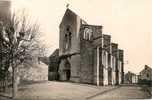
x: 124, y: 92
x: 75, y: 91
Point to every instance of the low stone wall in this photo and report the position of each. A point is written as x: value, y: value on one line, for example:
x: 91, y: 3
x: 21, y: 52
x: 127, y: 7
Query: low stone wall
x: 33, y: 72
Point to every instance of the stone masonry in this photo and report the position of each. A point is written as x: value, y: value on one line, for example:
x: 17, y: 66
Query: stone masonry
x: 85, y: 54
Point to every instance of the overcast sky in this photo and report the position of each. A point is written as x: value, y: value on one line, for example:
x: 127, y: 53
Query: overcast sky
x: 129, y: 22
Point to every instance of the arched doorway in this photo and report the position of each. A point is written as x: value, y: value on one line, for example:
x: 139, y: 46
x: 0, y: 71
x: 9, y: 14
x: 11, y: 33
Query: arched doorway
x: 67, y: 69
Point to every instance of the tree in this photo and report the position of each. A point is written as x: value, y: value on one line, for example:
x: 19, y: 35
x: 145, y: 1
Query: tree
x: 18, y: 41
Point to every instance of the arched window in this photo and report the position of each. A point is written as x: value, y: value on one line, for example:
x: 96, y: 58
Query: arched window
x: 68, y: 38
x: 87, y: 34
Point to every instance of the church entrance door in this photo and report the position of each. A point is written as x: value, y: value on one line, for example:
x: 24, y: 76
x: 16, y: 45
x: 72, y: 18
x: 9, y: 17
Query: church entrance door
x: 67, y: 70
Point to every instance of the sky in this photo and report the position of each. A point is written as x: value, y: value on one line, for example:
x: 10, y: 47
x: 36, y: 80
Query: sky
x: 129, y: 22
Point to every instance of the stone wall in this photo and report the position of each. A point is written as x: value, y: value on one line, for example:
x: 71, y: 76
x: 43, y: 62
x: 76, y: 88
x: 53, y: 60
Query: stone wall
x: 105, y: 66
x: 71, y: 21
x: 74, y: 64
x: 91, y: 56
x: 113, y: 64
x: 62, y: 73
x: 53, y: 68
x: 101, y: 71
x: 88, y: 52
x: 95, y: 66
x: 121, y: 58
x: 86, y: 62
x: 107, y: 43
x: 70, y: 25
x: 115, y: 53
x: 107, y: 59
x: 33, y: 72
x: 75, y: 68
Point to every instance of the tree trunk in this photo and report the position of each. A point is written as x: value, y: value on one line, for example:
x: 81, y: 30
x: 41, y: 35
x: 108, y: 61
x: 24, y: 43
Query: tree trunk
x: 15, y: 87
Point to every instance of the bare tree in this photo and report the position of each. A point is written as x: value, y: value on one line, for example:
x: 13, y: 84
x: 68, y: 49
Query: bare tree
x: 18, y: 41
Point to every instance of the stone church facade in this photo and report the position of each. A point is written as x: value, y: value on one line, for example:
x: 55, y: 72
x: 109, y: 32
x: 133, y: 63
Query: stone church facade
x: 86, y: 55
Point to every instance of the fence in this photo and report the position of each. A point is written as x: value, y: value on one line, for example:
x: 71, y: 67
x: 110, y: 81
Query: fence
x: 6, y: 87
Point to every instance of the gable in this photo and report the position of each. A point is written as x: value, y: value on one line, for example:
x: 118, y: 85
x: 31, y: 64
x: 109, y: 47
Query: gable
x: 67, y: 13
x: 147, y: 69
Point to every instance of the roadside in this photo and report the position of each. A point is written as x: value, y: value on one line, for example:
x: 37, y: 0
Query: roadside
x: 147, y: 89
x: 52, y: 90
x: 101, y: 93
x: 61, y: 91
x: 5, y: 97
x: 125, y: 92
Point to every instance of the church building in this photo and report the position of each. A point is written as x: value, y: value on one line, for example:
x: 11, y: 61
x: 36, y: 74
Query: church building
x: 85, y: 54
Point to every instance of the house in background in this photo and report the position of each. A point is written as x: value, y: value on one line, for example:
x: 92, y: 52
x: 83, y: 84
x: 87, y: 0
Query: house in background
x: 130, y: 78
x: 145, y: 76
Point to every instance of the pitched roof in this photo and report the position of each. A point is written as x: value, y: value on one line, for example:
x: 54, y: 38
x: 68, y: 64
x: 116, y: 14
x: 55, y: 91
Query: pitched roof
x: 45, y: 60
x: 70, y: 11
x: 55, y: 53
x: 147, y: 68
x: 131, y: 73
